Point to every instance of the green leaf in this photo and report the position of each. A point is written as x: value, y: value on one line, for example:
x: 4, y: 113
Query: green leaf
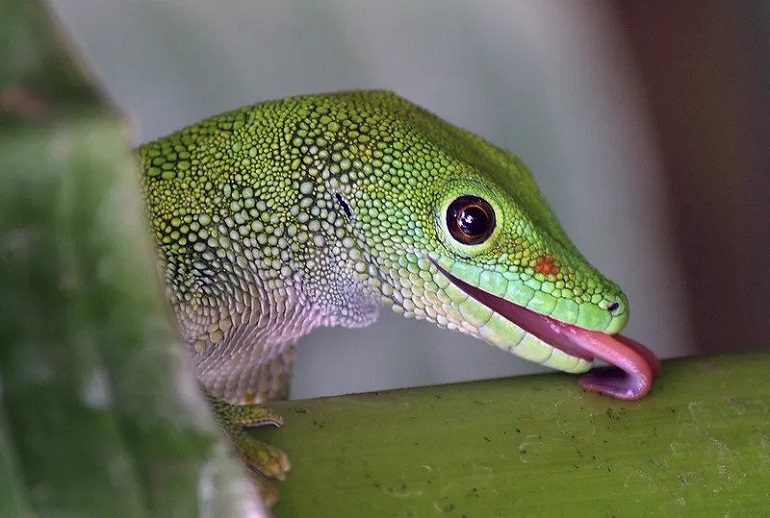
x: 99, y: 415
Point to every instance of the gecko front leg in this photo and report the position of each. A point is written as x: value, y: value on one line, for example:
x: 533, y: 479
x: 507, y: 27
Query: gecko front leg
x: 243, y: 410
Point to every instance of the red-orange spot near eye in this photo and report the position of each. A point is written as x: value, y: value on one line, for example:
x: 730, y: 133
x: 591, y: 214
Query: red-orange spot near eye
x: 546, y: 265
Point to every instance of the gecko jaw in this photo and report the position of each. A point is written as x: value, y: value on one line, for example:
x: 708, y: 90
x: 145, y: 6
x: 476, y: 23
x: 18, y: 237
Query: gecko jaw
x: 632, y: 369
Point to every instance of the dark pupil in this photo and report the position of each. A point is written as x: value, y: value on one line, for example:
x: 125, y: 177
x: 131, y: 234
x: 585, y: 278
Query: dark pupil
x: 473, y: 221
x: 470, y: 219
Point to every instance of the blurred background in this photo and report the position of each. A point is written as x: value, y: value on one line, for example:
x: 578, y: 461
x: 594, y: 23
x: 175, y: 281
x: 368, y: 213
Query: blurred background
x: 645, y: 124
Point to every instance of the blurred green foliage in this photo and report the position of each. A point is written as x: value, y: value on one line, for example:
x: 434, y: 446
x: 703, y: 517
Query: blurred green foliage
x: 98, y: 414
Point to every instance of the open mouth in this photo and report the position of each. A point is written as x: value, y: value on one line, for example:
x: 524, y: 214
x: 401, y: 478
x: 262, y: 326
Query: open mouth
x: 632, y: 369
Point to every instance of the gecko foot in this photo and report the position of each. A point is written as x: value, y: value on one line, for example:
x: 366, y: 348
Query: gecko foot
x: 264, y: 460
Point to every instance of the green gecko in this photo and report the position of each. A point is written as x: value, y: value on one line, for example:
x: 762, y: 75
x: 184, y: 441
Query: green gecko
x: 275, y: 219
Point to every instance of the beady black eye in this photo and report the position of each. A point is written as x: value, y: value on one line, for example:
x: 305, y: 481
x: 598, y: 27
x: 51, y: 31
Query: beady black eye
x: 470, y: 220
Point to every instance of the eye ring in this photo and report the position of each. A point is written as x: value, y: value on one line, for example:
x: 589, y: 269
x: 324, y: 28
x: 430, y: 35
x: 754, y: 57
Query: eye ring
x: 470, y: 220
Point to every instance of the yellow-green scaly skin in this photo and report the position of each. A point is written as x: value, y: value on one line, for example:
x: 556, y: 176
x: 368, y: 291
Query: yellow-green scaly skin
x: 284, y: 216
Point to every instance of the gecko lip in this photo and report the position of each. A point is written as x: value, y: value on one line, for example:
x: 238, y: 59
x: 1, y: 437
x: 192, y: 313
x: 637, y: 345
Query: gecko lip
x: 633, y: 366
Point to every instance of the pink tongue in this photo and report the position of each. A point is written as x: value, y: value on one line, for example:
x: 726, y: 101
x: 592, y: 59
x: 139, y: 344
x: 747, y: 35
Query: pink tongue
x: 634, y: 367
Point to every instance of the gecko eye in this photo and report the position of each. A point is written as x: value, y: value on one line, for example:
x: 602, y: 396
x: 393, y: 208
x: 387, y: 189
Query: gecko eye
x: 470, y: 220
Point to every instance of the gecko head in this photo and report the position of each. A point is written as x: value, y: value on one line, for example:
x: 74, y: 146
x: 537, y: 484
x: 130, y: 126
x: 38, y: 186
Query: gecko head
x: 485, y: 258
x: 440, y: 204
x: 512, y: 277
x: 455, y: 230
x: 509, y: 276
x: 463, y: 237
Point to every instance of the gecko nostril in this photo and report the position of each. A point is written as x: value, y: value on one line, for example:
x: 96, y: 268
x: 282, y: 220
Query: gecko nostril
x: 613, y: 306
